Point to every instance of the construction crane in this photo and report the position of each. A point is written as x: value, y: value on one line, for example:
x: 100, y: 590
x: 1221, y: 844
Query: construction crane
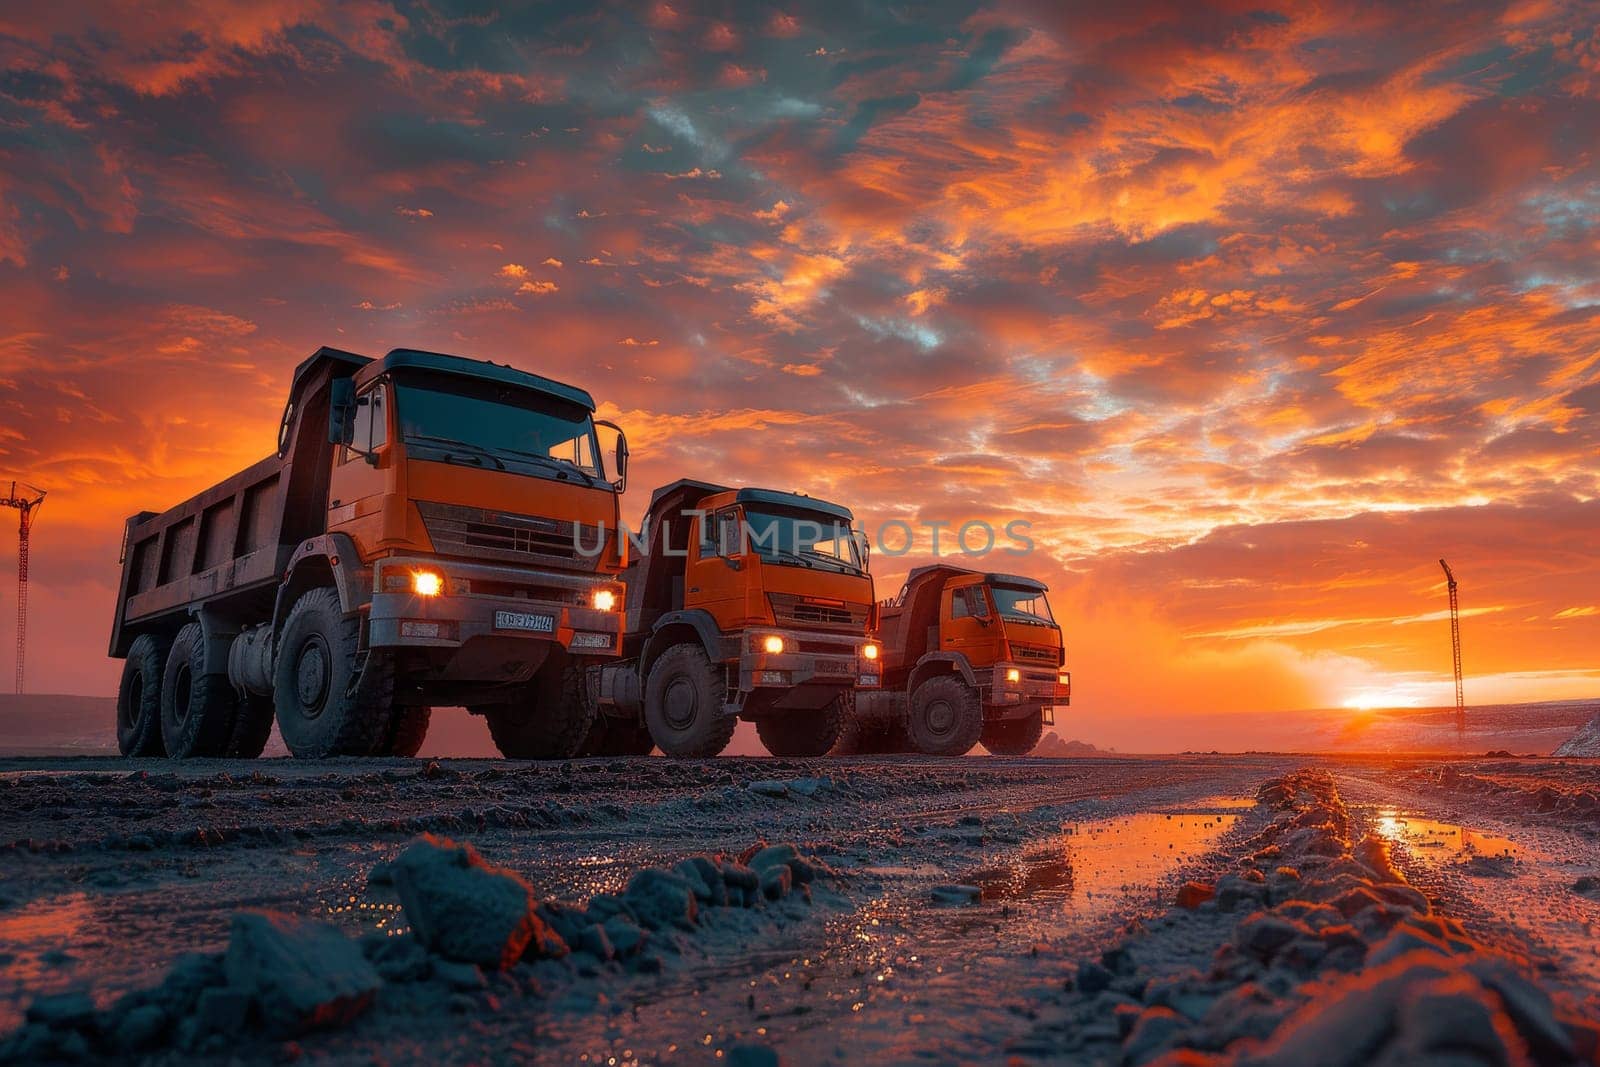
x: 26, y: 499
x: 1455, y: 647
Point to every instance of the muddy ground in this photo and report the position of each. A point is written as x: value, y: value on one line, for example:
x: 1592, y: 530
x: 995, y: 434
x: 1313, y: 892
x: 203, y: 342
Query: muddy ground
x: 966, y: 902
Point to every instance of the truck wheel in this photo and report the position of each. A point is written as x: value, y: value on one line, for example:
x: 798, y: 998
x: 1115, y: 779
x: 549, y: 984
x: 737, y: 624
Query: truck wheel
x: 803, y: 733
x: 1017, y: 737
x: 252, y: 725
x: 946, y: 716
x: 683, y: 700
x: 549, y: 722
x: 139, y: 697
x: 612, y: 735
x: 852, y: 731
x: 408, y: 731
x: 324, y: 708
x: 197, y: 709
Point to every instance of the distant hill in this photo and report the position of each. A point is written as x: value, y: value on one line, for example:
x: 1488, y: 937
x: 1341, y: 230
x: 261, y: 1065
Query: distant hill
x: 1052, y: 745
x: 1585, y: 743
x: 56, y: 725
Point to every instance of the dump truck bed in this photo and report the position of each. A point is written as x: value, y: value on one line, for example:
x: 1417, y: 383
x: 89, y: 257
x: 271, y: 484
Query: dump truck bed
x: 224, y: 540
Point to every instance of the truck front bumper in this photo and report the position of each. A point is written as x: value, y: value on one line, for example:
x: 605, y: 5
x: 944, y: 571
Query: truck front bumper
x: 815, y: 666
x: 1017, y: 690
x: 525, y: 605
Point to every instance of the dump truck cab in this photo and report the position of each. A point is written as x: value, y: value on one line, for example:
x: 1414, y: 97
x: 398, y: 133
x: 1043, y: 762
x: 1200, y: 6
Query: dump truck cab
x: 749, y: 603
x: 416, y: 541
x: 979, y: 657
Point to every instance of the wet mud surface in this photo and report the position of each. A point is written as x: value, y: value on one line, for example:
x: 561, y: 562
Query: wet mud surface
x: 964, y: 897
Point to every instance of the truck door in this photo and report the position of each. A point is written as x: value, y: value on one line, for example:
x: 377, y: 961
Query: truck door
x: 360, y: 477
x: 710, y: 580
x: 967, y: 624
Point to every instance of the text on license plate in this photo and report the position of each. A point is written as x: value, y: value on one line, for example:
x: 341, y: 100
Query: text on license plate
x: 522, y: 620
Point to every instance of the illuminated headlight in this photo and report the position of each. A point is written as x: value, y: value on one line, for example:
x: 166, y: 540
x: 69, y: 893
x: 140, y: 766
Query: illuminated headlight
x: 772, y: 643
x: 869, y: 651
x: 427, y: 583
x: 1013, y: 675
x: 1063, y: 679
x: 604, y: 599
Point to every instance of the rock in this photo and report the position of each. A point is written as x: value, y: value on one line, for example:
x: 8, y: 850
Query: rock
x: 1193, y: 894
x: 776, y: 882
x: 396, y: 959
x: 1234, y: 893
x: 1093, y: 978
x: 1530, y: 1008
x: 62, y: 1011
x: 773, y: 855
x: 716, y: 891
x: 1154, y: 1031
x: 769, y: 788
x: 1263, y: 935
x: 661, y: 899
x: 220, y: 1011
x: 625, y: 936
x: 956, y: 895
x: 139, y: 1028
x: 299, y: 973
x: 1588, y: 886
x: 1449, y: 1017
x: 462, y: 977
x: 809, y: 787
x: 465, y: 909
x: 593, y: 940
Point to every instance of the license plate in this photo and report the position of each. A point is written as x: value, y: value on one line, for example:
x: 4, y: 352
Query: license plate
x: 867, y: 681
x: 522, y: 620
x: 591, y: 640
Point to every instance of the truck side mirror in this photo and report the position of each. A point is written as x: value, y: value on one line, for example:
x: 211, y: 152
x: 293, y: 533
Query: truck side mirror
x: 341, y: 405
x: 864, y: 544
x: 619, y: 455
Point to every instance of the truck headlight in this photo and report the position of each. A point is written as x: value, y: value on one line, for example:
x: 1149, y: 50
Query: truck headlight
x: 1013, y: 675
x: 869, y: 651
x: 604, y: 599
x: 773, y: 644
x: 427, y: 583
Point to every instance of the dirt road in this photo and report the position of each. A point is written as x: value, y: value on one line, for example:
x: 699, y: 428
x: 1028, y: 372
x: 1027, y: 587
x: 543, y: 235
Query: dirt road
x: 965, y: 898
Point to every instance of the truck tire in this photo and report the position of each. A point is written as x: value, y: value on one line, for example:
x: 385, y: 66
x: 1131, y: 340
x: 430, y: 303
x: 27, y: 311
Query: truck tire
x: 324, y: 706
x: 408, y: 730
x: 852, y: 731
x: 803, y: 733
x: 139, y: 697
x: 197, y: 709
x: 1018, y: 737
x: 683, y: 701
x: 551, y: 721
x: 252, y: 725
x: 613, y: 735
x: 946, y: 717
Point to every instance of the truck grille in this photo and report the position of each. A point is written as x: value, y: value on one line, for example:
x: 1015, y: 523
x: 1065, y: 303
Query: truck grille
x: 789, y: 608
x: 1034, y: 654
x: 506, y: 536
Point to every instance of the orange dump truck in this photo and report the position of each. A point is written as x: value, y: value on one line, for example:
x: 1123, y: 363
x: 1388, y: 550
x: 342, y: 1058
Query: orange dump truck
x: 413, y: 542
x: 742, y: 603
x: 967, y: 656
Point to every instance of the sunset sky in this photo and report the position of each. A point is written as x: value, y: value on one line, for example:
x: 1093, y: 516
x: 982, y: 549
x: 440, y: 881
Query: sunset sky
x: 1253, y: 312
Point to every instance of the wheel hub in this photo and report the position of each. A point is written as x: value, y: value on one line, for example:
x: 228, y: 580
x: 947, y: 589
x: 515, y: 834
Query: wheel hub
x: 941, y: 717
x: 679, y: 703
x: 311, y: 677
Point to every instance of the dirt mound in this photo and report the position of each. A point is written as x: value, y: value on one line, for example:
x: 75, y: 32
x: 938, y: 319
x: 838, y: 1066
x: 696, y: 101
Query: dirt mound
x: 1584, y: 743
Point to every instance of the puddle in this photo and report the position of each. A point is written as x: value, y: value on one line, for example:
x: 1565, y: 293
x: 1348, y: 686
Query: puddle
x: 1439, y: 842
x: 1090, y: 865
x: 39, y: 946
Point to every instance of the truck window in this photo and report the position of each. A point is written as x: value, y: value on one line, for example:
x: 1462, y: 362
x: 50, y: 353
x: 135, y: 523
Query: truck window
x: 1024, y: 605
x: 451, y: 418
x: 728, y: 533
x: 968, y: 602
x: 370, y: 429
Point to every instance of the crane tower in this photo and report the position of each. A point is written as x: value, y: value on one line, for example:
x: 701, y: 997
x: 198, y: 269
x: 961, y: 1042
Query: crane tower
x: 1455, y: 646
x: 26, y: 499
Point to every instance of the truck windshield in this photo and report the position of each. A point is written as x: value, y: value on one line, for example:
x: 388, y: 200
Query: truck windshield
x: 802, y: 538
x: 444, y: 411
x: 1024, y: 605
